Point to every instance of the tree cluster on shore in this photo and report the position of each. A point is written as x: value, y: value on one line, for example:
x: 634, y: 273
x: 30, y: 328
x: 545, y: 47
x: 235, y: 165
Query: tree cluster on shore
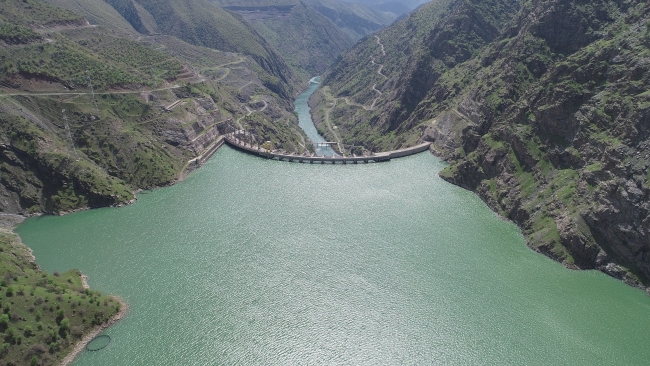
x: 42, y: 316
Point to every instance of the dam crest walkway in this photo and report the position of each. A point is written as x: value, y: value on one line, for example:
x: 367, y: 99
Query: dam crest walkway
x: 232, y: 140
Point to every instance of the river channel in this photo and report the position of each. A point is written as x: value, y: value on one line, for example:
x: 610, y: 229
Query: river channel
x: 259, y: 262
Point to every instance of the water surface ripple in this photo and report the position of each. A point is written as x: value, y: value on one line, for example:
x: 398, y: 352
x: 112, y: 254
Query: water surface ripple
x: 258, y: 262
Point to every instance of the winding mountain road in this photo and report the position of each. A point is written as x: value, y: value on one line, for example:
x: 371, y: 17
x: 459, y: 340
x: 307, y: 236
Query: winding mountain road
x: 89, y: 93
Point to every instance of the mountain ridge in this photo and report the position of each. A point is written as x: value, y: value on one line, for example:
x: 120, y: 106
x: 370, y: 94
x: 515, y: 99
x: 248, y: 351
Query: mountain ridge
x: 547, y: 122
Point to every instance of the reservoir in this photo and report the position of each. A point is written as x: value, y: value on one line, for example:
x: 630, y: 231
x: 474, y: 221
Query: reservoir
x: 259, y: 262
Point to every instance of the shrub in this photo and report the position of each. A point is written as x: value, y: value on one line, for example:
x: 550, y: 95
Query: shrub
x: 10, y: 335
x: 76, y: 331
x: 59, y: 316
x: 36, y: 349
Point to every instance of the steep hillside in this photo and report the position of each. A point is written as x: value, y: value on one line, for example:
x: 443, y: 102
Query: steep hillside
x: 307, y: 40
x: 357, y: 20
x: 398, y: 7
x: 379, y: 83
x: 96, y: 12
x: 548, y: 122
x: 197, y: 22
x: 88, y: 115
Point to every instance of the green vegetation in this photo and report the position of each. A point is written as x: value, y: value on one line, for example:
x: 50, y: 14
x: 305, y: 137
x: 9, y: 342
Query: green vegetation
x: 16, y: 34
x: 437, y: 37
x: 307, y: 39
x: 71, y: 58
x: 64, y: 148
x: 200, y: 23
x: 43, y: 315
x: 35, y: 12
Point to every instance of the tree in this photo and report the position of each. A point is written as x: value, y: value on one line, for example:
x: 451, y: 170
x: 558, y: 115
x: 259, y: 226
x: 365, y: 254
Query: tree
x: 4, y: 321
x: 10, y: 335
x: 64, y: 327
x: 59, y: 316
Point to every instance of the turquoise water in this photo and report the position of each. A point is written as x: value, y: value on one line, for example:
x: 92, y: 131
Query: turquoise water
x: 305, y: 121
x: 258, y: 262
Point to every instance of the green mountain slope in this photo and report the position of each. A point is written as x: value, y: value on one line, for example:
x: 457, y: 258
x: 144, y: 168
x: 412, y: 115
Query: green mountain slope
x: 397, y: 7
x: 88, y: 116
x: 379, y: 83
x: 357, y: 20
x: 547, y: 121
x: 201, y: 23
x: 308, y: 41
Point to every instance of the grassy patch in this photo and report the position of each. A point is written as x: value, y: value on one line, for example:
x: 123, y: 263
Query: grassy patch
x: 546, y: 234
x: 564, y: 184
x: 527, y: 183
x: 448, y: 172
x: 593, y: 167
x: 545, y: 230
x: 494, y: 144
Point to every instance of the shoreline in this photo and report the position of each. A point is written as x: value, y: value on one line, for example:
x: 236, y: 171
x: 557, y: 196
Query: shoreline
x: 80, y: 346
x: 8, y: 224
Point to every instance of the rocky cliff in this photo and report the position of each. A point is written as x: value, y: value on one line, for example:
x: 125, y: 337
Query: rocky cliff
x: 541, y: 108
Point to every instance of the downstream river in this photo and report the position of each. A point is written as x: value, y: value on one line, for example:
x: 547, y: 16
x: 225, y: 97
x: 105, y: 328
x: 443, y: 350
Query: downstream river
x: 304, y: 118
x: 259, y: 262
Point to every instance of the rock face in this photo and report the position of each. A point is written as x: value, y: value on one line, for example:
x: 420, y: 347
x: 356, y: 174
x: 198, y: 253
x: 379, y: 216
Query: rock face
x: 545, y: 115
x: 392, y: 71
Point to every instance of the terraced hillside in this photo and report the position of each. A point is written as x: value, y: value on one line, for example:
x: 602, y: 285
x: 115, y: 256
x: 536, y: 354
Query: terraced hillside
x: 91, y: 113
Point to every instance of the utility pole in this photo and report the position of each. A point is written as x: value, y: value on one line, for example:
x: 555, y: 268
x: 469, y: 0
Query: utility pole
x: 153, y: 76
x: 92, y: 91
